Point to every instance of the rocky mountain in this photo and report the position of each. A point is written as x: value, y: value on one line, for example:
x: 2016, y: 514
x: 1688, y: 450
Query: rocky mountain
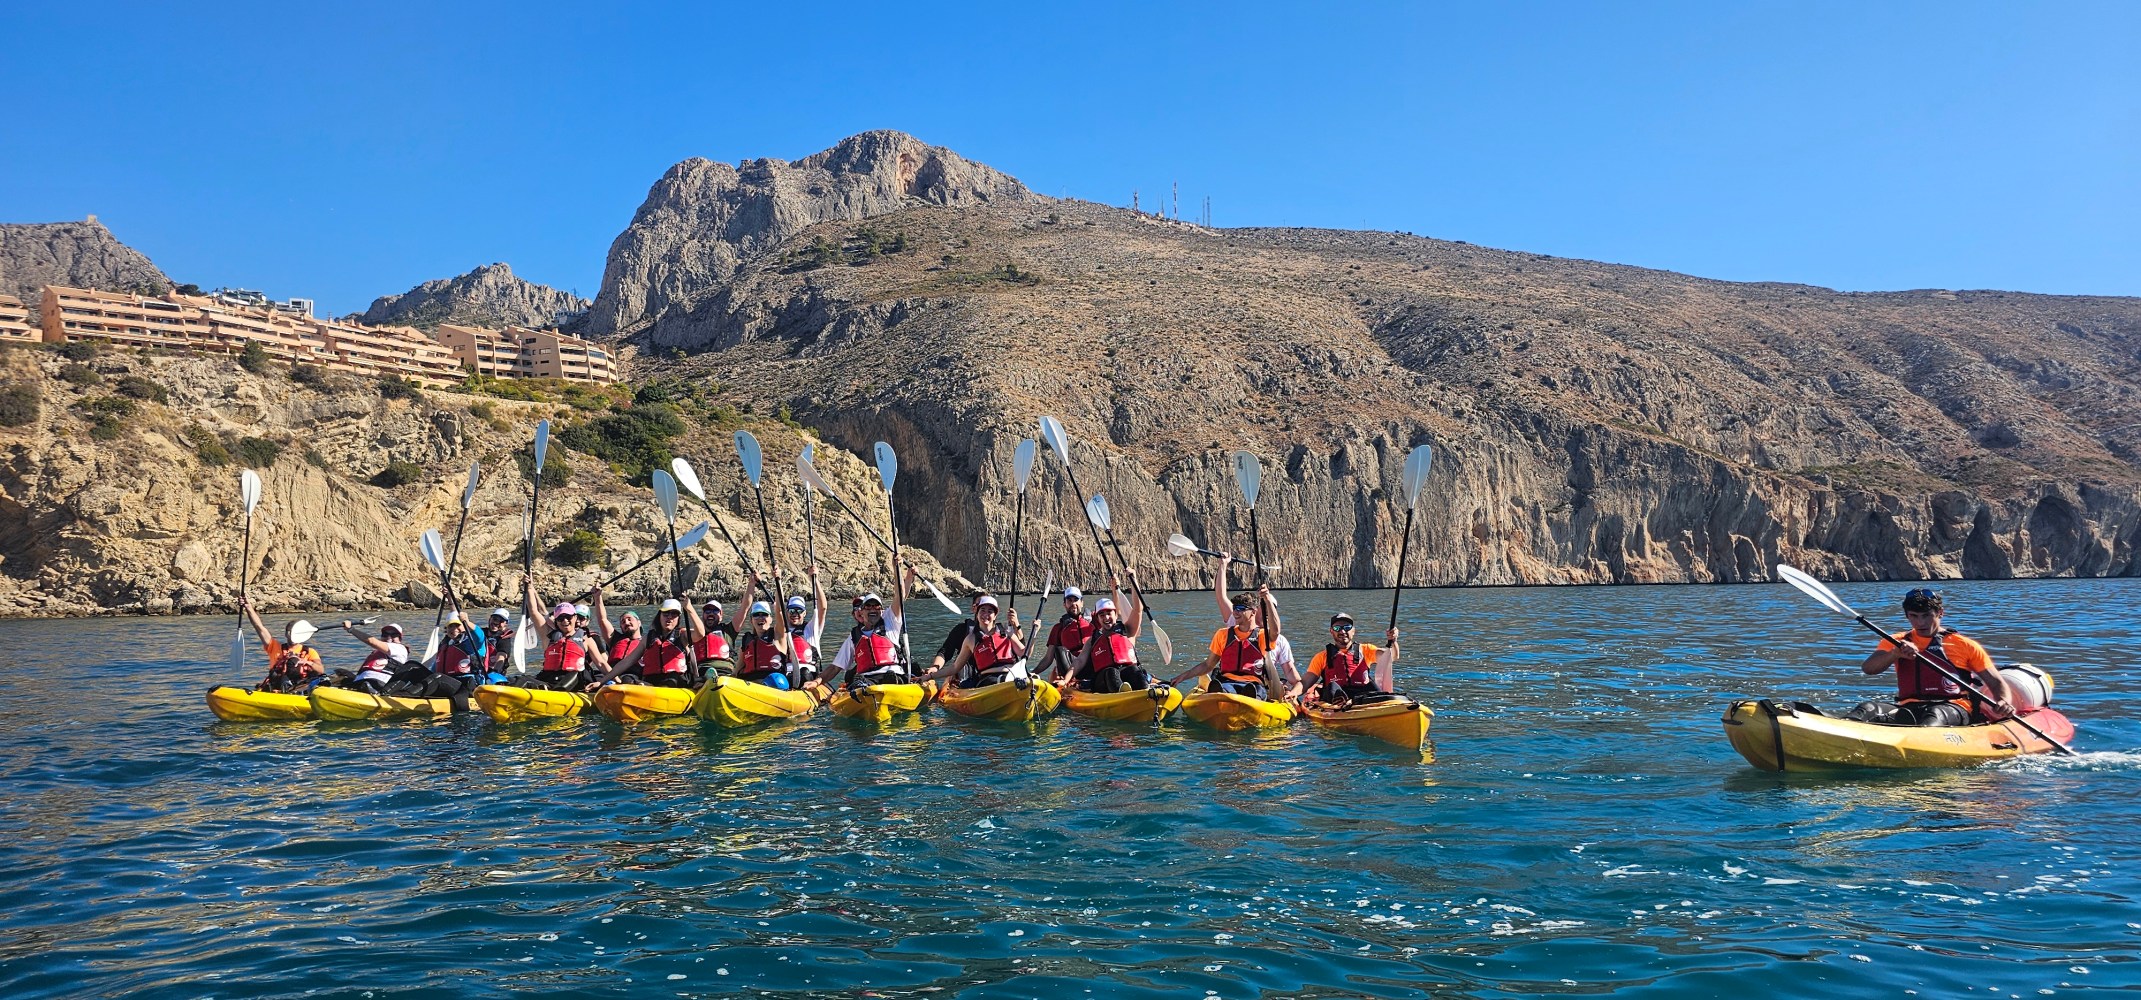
x: 107, y: 511
x: 1592, y: 422
x: 80, y: 254
x: 491, y: 295
x: 703, y: 219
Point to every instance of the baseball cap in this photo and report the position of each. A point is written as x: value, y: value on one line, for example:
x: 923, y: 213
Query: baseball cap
x: 868, y: 599
x: 1341, y: 617
x: 1104, y: 604
x: 1073, y: 594
x: 985, y: 600
x: 391, y: 627
x: 672, y: 604
x: 710, y: 603
x: 761, y: 608
x: 501, y: 614
x: 562, y: 610
x: 797, y: 603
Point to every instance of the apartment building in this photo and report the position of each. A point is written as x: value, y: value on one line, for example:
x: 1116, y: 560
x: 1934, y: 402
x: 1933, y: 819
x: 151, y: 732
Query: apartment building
x: 515, y: 352
x: 15, y: 325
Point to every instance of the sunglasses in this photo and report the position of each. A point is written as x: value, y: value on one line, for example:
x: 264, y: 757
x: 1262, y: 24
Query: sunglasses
x: 1241, y: 607
x: 1347, y: 627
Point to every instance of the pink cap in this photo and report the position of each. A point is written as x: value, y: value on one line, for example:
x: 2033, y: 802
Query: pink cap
x: 562, y: 610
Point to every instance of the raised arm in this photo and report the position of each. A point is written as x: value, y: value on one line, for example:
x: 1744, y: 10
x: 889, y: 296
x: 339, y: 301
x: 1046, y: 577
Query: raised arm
x: 252, y: 615
x: 1134, y: 619
x: 533, y: 607
x: 817, y: 598
x: 1272, y: 625
x: 1219, y: 590
x: 1386, y: 662
x: 602, y: 614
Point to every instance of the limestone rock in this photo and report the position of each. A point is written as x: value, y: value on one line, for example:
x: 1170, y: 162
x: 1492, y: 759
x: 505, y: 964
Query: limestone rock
x: 80, y: 254
x: 192, y: 562
x: 491, y: 296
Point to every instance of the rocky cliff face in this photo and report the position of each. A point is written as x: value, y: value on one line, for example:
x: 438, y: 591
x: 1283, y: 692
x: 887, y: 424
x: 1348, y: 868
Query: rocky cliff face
x: 491, y: 295
x: 703, y: 219
x: 1592, y: 423
x: 138, y: 522
x: 79, y: 254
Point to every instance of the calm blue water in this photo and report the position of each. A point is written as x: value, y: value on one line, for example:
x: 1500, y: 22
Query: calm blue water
x: 1582, y: 828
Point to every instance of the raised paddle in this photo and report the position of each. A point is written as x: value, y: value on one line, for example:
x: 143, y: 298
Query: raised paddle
x: 535, y: 500
x: 754, y: 465
x: 888, y: 470
x: 683, y: 543
x: 689, y: 479
x: 1052, y: 433
x: 1249, y: 475
x: 468, y: 496
x: 1417, y: 462
x: 1033, y: 628
x: 1022, y: 471
x: 665, y: 496
x: 1938, y: 661
x: 429, y: 544
x: 1179, y: 545
x: 1096, y: 511
x: 810, y: 503
x: 249, y: 498
x: 812, y: 480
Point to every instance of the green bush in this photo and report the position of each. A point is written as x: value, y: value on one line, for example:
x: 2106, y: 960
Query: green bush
x: 308, y: 375
x: 108, y: 406
x: 78, y: 350
x: 397, y: 473
x: 207, y: 446
x: 19, y: 403
x: 555, y: 471
x: 254, y: 358
x: 635, y: 442
x: 504, y: 388
x: 396, y: 387
x: 80, y: 375
x: 483, y: 408
x: 142, y: 388
x: 580, y: 548
x: 258, y: 453
x: 314, y: 459
x: 106, y: 428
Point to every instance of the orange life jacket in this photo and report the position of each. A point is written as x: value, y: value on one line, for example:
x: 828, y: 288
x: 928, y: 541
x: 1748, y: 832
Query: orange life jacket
x: 297, y: 661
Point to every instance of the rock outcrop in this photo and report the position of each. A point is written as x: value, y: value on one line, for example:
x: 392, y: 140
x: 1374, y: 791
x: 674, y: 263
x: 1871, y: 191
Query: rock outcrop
x: 491, y: 295
x: 140, y: 522
x: 1592, y: 423
x: 704, y: 219
x: 80, y: 254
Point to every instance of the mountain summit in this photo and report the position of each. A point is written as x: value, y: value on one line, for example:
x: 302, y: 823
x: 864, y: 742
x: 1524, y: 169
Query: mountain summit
x: 491, y: 295
x: 703, y: 219
x: 77, y: 254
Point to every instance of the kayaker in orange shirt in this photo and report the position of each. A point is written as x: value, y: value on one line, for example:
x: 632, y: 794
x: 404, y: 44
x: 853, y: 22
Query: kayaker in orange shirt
x: 293, y: 666
x: 1346, y: 672
x: 1923, y: 696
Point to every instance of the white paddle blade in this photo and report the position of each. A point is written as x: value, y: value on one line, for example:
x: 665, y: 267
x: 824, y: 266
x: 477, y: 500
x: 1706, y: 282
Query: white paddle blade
x: 431, y: 648
x: 687, y: 477
x: 429, y: 545
x: 665, y: 494
x: 888, y: 464
x: 542, y: 445
x: 249, y: 489
x: 1815, y: 589
x: 693, y: 537
x: 1179, y: 545
x: 753, y: 459
x: 1249, y: 475
x: 1052, y: 432
x: 1416, y: 465
x: 468, y: 494
x: 1096, y: 511
x: 1165, y: 644
x: 237, y: 653
x: 803, y: 467
x: 941, y: 599
x: 1022, y: 462
x: 520, y: 645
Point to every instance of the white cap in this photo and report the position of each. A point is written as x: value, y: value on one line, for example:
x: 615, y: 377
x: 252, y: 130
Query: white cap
x: 760, y: 608
x: 501, y: 613
x: 672, y: 604
x: 1104, y: 604
x: 986, y: 600
x: 299, y: 630
x: 796, y: 602
x: 1073, y: 594
x: 710, y: 603
x: 872, y: 599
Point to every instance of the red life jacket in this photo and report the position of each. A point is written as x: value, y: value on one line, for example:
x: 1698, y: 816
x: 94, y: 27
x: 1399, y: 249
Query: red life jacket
x: 712, y: 646
x: 805, y: 653
x: 1916, y: 680
x: 1345, y: 667
x: 663, y: 655
x: 1114, y: 648
x: 1241, y: 659
x: 992, y: 649
x: 874, y: 649
x: 452, y: 660
x: 759, y: 658
x: 623, y: 647
x: 564, y: 655
x: 1071, y: 632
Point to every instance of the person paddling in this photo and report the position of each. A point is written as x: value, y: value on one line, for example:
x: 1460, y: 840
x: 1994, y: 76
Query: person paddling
x: 713, y: 640
x: 570, y: 654
x: 388, y: 656
x: 1108, y: 662
x: 663, y: 658
x: 872, y: 654
x: 1923, y: 696
x: 619, y: 641
x: 1240, y: 660
x: 955, y: 640
x: 765, y: 650
x: 1067, y: 638
x: 293, y: 667
x: 1347, y: 672
x: 991, y: 653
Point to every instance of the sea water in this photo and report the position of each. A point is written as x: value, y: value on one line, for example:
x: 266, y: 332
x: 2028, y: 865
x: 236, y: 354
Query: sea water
x: 1579, y: 826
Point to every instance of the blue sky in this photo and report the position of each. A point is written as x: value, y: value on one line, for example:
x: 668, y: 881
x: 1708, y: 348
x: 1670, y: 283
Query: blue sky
x: 344, y: 154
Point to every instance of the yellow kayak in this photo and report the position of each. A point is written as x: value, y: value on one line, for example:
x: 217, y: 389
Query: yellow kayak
x: 1010, y: 701
x: 1235, y: 712
x: 736, y: 704
x: 511, y: 703
x: 343, y: 704
x: 877, y: 702
x: 1776, y: 736
x: 1401, y: 720
x: 629, y: 703
x: 1145, y: 705
x: 237, y: 704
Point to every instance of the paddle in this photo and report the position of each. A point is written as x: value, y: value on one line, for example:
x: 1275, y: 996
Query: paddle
x: 429, y: 544
x: 535, y: 501
x: 1052, y: 432
x: 812, y: 480
x: 468, y: 496
x: 1040, y: 607
x: 888, y: 470
x: 1180, y: 545
x: 683, y: 542
x: 1931, y: 655
x: 754, y: 464
x: 249, y: 498
x: 1417, y: 462
x: 521, y: 641
x: 1096, y: 511
x: 810, y: 502
x: 1249, y: 475
x: 690, y: 481
x: 665, y: 495
x: 1021, y: 470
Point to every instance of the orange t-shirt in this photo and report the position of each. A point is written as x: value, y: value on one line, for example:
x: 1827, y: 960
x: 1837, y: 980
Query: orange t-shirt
x: 1368, y: 653
x: 311, y: 655
x: 1915, y: 681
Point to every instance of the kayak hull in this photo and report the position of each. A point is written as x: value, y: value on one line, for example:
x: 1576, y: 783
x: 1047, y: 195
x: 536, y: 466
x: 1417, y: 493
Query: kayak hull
x: 877, y: 702
x: 1148, y: 705
x: 738, y: 704
x: 1233, y: 712
x: 342, y: 704
x: 1399, y: 721
x: 1777, y: 736
x: 631, y: 703
x: 237, y: 704
x: 1010, y: 701
x: 511, y: 703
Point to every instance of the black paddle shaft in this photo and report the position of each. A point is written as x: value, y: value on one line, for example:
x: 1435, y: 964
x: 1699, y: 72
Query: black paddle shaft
x: 780, y: 606
x: 452, y: 562
x: 1397, y: 583
x: 1077, y: 496
x: 1941, y: 665
x: 1135, y: 590
x: 1018, y: 525
x: 741, y: 555
x: 636, y: 567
